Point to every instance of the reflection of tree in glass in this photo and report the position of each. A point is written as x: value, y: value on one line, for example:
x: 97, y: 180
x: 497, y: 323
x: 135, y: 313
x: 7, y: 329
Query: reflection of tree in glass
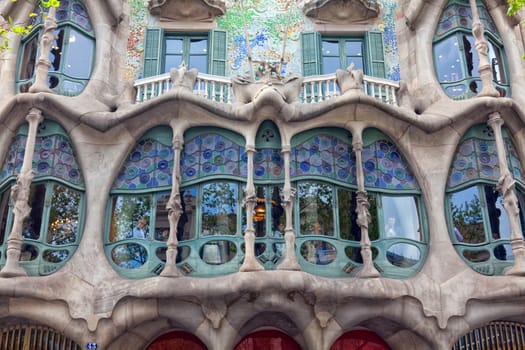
x: 63, y: 217
x: 468, y: 219
x: 127, y: 211
x: 219, y: 208
x: 315, y: 207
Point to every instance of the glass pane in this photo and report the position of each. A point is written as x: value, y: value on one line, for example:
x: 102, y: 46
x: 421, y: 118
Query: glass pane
x: 162, y: 225
x: 503, y: 252
x: 28, y: 252
x: 316, y: 208
x: 471, y: 55
x: 129, y: 256
x: 467, y: 216
x: 79, y: 56
x: 174, y: 46
x: 29, y: 56
x: 476, y: 255
x: 401, y: 217
x: 55, y: 55
x: 172, y: 61
x: 318, y: 252
x: 448, y: 65
x: 4, y: 212
x: 182, y: 253
x: 55, y: 256
x: 346, y: 204
x: 218, y: 252
x: 71, y: 88
x: 259, y: 215
x: 330, y: 48
x: 499, y: 221
x: 187, y: 226
x: 357, y: 61
x: 219, y: 208
x: 63, y: 216
x: 331, y: 64
x: 199, y: 46
x: 33, y: 222
x: 354, y: 253
x: 199, y: 62
x: 403, y: 255
x: 260, y: 248
x: 354, y: 48
x: 278, y: 215
x: 130, y: 217
x: 496, y: 62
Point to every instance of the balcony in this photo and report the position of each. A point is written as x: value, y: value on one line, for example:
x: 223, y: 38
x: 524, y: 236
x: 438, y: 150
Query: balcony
x: 314, y: 89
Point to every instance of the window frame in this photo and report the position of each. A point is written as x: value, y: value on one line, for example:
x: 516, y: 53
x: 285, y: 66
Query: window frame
x: 186, y: 54
x: 343, y: 56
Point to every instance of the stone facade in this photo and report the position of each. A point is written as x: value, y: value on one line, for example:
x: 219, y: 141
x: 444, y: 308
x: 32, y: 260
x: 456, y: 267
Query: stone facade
x: 89, y: 302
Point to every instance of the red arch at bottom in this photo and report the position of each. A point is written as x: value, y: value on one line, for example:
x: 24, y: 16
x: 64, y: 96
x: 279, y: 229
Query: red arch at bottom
x: 360, y: 340
x: 267, y: 340
x: 177, y: 340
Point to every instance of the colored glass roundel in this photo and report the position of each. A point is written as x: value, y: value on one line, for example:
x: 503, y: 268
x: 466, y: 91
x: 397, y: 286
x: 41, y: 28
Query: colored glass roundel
x: 150, y: 164
x: 69, y: 10
x: 478, y: 159
x: 384, y: 167
x: 210, y: 155
x: 53, y: 157
x: 324, y: 155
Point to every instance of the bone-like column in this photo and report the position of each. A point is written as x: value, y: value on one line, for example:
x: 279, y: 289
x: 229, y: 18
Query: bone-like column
x: 20, y: 196
x: 250, y: 201
x: 46, y: 44
x: 368, y: 269
x: 506, y: 185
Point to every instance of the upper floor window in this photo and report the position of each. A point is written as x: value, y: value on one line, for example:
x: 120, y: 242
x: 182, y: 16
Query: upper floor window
x: 52, y: 230
x: 455, y: 56
x: 323, y: 54
x: 478, y: 222
x: 72, y: 54
x: 205, y: 51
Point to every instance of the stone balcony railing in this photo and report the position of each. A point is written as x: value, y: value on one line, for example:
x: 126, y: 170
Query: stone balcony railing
x: 315, y: 89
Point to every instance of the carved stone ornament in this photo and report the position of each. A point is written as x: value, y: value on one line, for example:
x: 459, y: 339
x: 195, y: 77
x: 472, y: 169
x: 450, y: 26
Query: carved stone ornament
x: 187, y: 10
x: 341, y: 11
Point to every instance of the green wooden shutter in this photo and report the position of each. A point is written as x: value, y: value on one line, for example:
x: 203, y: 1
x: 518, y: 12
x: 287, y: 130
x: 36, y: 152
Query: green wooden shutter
x: 311, y: 53
x: 375, y: 54
x: 217, y: 52
x: 153, y: 52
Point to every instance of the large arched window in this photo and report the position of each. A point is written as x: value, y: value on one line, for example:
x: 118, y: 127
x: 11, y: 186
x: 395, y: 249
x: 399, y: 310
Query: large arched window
x: 72, y: 55
x: 267, y: 339
x: 52, y: 230
x: 478, y: 222
x: 177, y: 340
x: 324, y: 170
x: 455, y: 57
x: 138, y: 222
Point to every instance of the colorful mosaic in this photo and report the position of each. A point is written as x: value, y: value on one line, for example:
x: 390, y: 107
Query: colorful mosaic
x: 326, y: 156
x: 384, y: 167
x: 460, y: 16
x: 211, y: 155
x: 150, y: 164
x: 478, y: 159
x: 69, y: 10
x: 267, y: 22
x: 53, y: 157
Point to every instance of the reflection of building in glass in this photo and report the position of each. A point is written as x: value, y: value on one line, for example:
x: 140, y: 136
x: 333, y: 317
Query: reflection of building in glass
x: 292, y: 174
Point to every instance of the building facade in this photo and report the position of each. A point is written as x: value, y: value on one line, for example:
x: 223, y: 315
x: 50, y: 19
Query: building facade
x: 210, y: 174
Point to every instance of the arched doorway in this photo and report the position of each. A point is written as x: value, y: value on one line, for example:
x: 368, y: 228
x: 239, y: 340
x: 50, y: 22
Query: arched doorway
x: 177, y: 340
x: 360, y: 340
x: 267, y: 340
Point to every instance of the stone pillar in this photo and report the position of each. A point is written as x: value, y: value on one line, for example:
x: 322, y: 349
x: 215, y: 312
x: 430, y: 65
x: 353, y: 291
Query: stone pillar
x: 20, y: 196
x: 290, y: 260
x: 175, y: 211
x: 484, y: 69
x: 368, y: 269
x: 250, y: 201
x: 43, y: 63
x: 506, y: 184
